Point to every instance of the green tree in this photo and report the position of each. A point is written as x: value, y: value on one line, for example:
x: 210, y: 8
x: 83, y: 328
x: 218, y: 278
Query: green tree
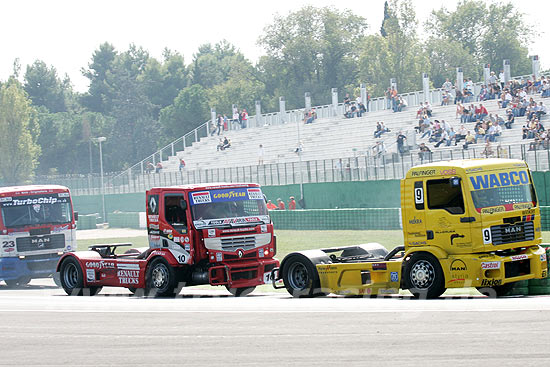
x: 190, y: 109
x: 399, y: 55
x: 99, y: 93
x: 18, y: 146
x: 311, y: 50
x: 44, y: 87
x: 489, y: 33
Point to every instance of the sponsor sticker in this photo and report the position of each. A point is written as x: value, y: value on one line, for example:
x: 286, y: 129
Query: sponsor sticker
x: 201, y: 197
x: 490, y: 265
x: 394, y: 277
x: 543, y: 257
x: 90, y: 275
x: 219, y: 256
x: 212, y: 232
x: 255, y: 194
x: 379, y: 266
x: 519, y: 257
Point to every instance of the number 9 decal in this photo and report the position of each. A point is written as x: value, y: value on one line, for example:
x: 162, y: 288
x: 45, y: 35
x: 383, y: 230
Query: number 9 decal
x: 418, y: 195
x: 487, y: 240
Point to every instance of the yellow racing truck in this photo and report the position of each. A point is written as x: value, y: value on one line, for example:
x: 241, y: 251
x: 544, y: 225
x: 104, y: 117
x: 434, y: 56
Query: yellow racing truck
x: 466, y: 223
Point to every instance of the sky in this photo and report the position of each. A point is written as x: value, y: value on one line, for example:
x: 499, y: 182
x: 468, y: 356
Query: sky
x: 65, y: 33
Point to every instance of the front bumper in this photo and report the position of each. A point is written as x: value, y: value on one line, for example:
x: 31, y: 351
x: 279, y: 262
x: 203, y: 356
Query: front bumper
x: 34, y: 266
x: 243, y: 274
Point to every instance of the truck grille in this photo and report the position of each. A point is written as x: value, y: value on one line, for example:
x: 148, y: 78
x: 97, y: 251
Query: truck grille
x: 234, y: 243
x: 507, y: 233
x: 36, y: 243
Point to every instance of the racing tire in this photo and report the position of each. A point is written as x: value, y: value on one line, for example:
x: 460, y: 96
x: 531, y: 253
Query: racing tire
x: 241, y: 292
x: 423, y: 276
x: 496, y: 291
x: 57, y: 279
x: 72, y: 279
x: 160, y: 279
x: 301, y: 278
x: 17, y: 283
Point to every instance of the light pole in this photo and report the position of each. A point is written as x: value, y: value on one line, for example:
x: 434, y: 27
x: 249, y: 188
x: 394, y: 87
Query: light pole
x: 100, y: 140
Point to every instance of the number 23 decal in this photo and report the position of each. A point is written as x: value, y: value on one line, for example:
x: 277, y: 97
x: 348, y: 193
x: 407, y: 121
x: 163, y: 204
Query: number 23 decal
x: 8, y: 244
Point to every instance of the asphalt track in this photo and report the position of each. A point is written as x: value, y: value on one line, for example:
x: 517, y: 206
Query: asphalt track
x: 42, y: 326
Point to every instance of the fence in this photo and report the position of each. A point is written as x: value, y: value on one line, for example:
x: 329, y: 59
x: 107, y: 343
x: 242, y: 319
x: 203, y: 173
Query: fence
x: 361, y: 167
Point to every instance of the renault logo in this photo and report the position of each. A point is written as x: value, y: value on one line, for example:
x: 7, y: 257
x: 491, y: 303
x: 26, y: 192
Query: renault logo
x: 240, y: 253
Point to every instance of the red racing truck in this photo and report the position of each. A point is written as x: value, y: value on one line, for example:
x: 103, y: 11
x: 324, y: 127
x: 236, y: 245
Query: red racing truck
x: 37, y: 225
x: 217, y: 234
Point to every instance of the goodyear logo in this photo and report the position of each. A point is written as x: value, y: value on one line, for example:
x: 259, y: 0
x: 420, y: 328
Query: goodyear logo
x: 229, y: 195
x: 502, y: 179
x: 493, y: 209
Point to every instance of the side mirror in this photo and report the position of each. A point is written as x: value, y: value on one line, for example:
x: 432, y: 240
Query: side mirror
x: 75, y: 216
x: 454, y: 181
x: 265, y: 198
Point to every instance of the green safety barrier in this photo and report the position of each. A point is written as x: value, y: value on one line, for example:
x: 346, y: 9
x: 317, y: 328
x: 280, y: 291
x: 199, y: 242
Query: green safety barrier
x: 87, y: 221
x: 336, y: 219
x: 123, y: 220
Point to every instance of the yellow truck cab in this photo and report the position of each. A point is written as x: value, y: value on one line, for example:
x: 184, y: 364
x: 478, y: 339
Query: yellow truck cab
x: 466, y: 223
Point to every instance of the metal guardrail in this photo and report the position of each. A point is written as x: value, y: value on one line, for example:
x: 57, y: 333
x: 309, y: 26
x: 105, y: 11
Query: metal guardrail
x: 360, y: 167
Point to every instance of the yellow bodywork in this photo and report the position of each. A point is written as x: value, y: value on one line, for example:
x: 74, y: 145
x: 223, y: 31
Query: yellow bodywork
x: 476, y: 245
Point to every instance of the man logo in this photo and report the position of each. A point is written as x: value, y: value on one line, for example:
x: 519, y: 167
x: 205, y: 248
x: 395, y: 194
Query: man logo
x: 458, y: 265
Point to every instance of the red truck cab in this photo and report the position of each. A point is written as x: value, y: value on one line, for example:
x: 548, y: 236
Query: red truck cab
x: 217, y: 234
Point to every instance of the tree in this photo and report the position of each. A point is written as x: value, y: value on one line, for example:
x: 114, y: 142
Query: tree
x: 311, y: 50
x: 489, y: 33
x: 383, y: 32
x: 98, y: 92
x: 44, y: 87
x: 18, y: 146
x: 190, y: 109
x: 399, y: 55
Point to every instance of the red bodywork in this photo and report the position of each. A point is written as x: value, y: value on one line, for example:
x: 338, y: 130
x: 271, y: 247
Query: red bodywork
x: 183, y: 247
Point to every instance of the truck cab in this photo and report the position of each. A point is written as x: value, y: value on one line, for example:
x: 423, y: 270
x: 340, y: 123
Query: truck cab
x: 217, y: 234
x: 466, y: 223
x: 37, y: 226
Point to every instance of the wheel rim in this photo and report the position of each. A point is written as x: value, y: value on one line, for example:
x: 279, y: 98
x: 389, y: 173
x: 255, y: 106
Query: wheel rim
x: 298, y: 276
x: 422, y: 274
x: 159, y: 276
x: 70, y: 275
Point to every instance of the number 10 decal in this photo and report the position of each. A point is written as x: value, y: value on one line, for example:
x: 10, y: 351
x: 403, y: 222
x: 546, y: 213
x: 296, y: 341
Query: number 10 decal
x: 486, y: 232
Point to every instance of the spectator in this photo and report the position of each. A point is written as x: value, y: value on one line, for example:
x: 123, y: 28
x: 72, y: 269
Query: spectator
x: 182, y: 164
x: 541, y: 111
x: 447, y: 86
x: 459, y: 97
x: 425, y: 152
x: 361, y: 109
x: 445, y: 99
x: 220, y: 145
x: 428, y: 109
x: 488, y: 150
x: 481, y: 112
x: 379, y: 149
x: 226, y: 143
x: 420, y: 111
x: 270, y: 205
x: 380, y: 129
x: 401, y: 104
x: 347, y: 101
x: 509, y: 119
x: 236, y: 119
x: 459, y: 110
x: 261, y: 154
x: 149, y: 167
x: 387, y: 94
x: 351, y: 111
x: 470, y: 139
x: 444, y: 137
x: 461, y: 134
x: 291, y: 203
x: 401, y: 142
x: 158, y: 168
x: 394, y: 99
x: 244, y: 119
x: 280, y: 204
x: 225, y: 125
x: 300, y: 148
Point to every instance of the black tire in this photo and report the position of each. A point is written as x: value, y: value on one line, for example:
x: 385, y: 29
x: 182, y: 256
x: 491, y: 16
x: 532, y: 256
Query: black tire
x: 72, y: 279
x: 241, y: 292
x: 423, y: 276
x: 496, y: 291
x: 160, y: 279
x: 57, y: 279
x: 301, y: 278
x: 17, y: 283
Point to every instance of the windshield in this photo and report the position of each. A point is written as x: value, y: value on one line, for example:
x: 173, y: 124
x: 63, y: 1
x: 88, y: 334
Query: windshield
x: 503, y: 192
x: 228, y: 207
x: 33, y: 210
